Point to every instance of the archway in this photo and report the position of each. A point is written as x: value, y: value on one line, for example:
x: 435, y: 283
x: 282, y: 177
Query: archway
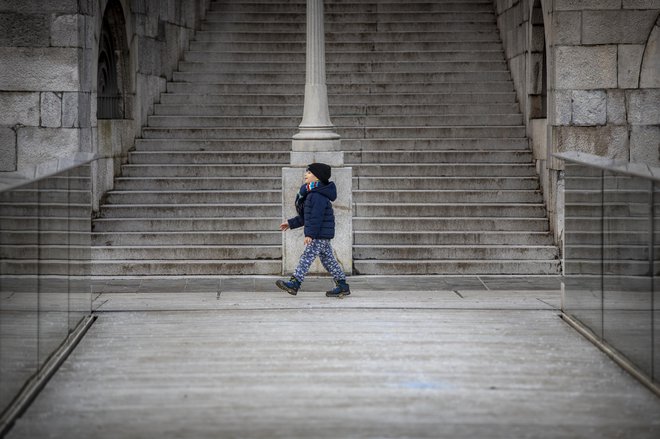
x: 112, y: 74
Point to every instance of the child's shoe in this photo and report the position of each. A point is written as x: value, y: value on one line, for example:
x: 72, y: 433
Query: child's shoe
x: 291, y: 286
x: 342, y: 289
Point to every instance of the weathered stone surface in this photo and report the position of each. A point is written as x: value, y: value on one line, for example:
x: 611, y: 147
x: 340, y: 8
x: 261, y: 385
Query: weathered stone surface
x: 65, y: 31
x: 617, y: 27
x: 563, y: 111
x: 578, y: 5
x: 644, y: 107
x: 650, y: 71
x: 567, y: 27
x: 7, y: 149
x: 589, y: 107
x: 641, y: 4
x: 616, y: 107
x: 630, y: 62
x: 23, y: 30
x: 149, y: 56
x: 51, y: 110
x: 586, y: 67
x: 607, y: 141
x: 70, y: 110
x: 23, y: 108
x: 37, y: 145
x: 38, y: 69
x: 39, y: 6
x: 645, y: 144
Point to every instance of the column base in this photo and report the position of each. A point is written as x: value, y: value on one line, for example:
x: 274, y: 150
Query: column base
x: 304, y: 158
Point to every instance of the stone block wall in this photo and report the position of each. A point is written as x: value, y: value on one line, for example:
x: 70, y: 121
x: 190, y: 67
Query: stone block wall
x: 603, y: 80
x: 49, y: 58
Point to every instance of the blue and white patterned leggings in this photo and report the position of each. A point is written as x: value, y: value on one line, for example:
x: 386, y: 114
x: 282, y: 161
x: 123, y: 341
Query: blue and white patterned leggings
x: 322, y: 248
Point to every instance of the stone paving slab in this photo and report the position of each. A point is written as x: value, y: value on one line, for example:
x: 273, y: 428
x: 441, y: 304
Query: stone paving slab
x: 182, y: 362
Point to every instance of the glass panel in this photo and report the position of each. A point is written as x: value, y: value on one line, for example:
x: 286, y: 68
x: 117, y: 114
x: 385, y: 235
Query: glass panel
x: 80, y: 293
x: 19, y: 240
x: 656, y: 283
x: 583, y: 246
x: 627, y: 280
x: 53, y: 266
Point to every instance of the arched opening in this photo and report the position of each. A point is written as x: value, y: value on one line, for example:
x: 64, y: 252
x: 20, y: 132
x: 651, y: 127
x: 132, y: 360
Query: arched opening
x: 112, y: 82
x: 538, y: 80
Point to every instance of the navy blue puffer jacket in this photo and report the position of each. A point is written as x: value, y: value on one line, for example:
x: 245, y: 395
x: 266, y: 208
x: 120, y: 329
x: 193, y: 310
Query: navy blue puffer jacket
x: 319, y: 218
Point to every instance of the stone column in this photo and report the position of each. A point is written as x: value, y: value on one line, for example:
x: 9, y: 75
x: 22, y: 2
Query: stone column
x: 316, y: 141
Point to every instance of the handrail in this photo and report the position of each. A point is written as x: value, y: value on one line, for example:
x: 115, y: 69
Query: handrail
x: 622, y: 167
x: 30, y: 174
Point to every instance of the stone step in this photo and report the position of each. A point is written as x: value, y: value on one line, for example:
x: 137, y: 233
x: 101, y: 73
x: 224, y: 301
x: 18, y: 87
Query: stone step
x: 234, y: 237
x: 335, y: 58
x: 338, y: 121
x: 609, y: 210
x: 46, y: 267
x: 630, y: 224
x: 209, y: 157
x: 451, y: 252
x: 583, y: 237
x: 418, y: 144
x: 435, y: 144
x: 338, y: 68
x: 229, y: 146
x: 187, y: 252
x: 446, y: 183
x: 463, y: 238
x: 391, y: 132
x: 412, y: 156
x: 400, y: 110
x: 447, y: 196
x: 193, y: 183
x: 442, y: 224
x: 411, y: 74
x: 373, y: 101
x: 186, y: 224
x: 351, y: 14
x: 35, y: 223
x: 186, y: 267
x: 607, y: 268
x: 329, y: 7
x: 436, y: 34
x: 345, y: 46
x: 55, y: 252
x: 457, y: 267
x: 201, y: 171
x: 203, y: 211
x: 259, y: 86
x: 46, y: 211
x: 466, y: 25
x: 444, y: 170
x: 193, y: 197
x: 446, y: 210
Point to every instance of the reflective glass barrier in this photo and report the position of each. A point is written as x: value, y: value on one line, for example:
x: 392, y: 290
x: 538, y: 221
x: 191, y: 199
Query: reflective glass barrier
x: 611, y: 254
x: 45, y: 266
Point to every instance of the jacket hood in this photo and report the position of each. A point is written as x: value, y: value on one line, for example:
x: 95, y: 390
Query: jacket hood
x: 327, y: 190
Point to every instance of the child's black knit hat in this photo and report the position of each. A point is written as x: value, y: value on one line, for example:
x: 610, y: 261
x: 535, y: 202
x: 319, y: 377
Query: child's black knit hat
x: 321, y: 171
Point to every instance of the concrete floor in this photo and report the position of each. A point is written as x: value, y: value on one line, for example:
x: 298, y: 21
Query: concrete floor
x: 430, y: 357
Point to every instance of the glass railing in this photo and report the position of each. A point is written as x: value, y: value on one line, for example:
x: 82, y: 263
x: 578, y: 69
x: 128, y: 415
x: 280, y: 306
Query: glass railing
x: 611, y: 256
x: 45, y: 252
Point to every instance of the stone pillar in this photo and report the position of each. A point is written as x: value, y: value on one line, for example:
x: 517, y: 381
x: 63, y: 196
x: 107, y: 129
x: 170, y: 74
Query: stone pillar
x: 316, y: 141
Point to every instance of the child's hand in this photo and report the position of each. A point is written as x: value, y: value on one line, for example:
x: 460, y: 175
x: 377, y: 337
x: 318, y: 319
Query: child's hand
x: 284, y: 226
x: 308, y: 240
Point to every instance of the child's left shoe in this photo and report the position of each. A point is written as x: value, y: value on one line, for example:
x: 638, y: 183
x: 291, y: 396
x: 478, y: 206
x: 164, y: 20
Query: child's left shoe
x: 342, y: 289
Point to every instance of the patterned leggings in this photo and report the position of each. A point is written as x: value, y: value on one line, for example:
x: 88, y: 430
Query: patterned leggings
x: 322, y: 248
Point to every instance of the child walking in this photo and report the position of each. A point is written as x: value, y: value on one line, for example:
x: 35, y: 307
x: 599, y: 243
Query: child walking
x: 314, y: 208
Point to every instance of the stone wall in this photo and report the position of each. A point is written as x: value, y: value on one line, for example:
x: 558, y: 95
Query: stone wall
x: 603, y: 64
x: 49, y: 52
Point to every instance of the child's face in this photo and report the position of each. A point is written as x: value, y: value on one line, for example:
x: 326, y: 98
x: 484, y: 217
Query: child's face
x: 309, y: 177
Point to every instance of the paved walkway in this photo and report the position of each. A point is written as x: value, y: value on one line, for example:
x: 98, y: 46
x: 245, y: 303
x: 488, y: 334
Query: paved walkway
x: 433, y: 357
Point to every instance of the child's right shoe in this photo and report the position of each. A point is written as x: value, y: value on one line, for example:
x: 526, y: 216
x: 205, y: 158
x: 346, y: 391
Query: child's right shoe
x: 291, y: 286
x: 342, y: 289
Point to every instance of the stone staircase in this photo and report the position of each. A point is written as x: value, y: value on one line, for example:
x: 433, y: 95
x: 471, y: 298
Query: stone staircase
x: 444, y: 181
